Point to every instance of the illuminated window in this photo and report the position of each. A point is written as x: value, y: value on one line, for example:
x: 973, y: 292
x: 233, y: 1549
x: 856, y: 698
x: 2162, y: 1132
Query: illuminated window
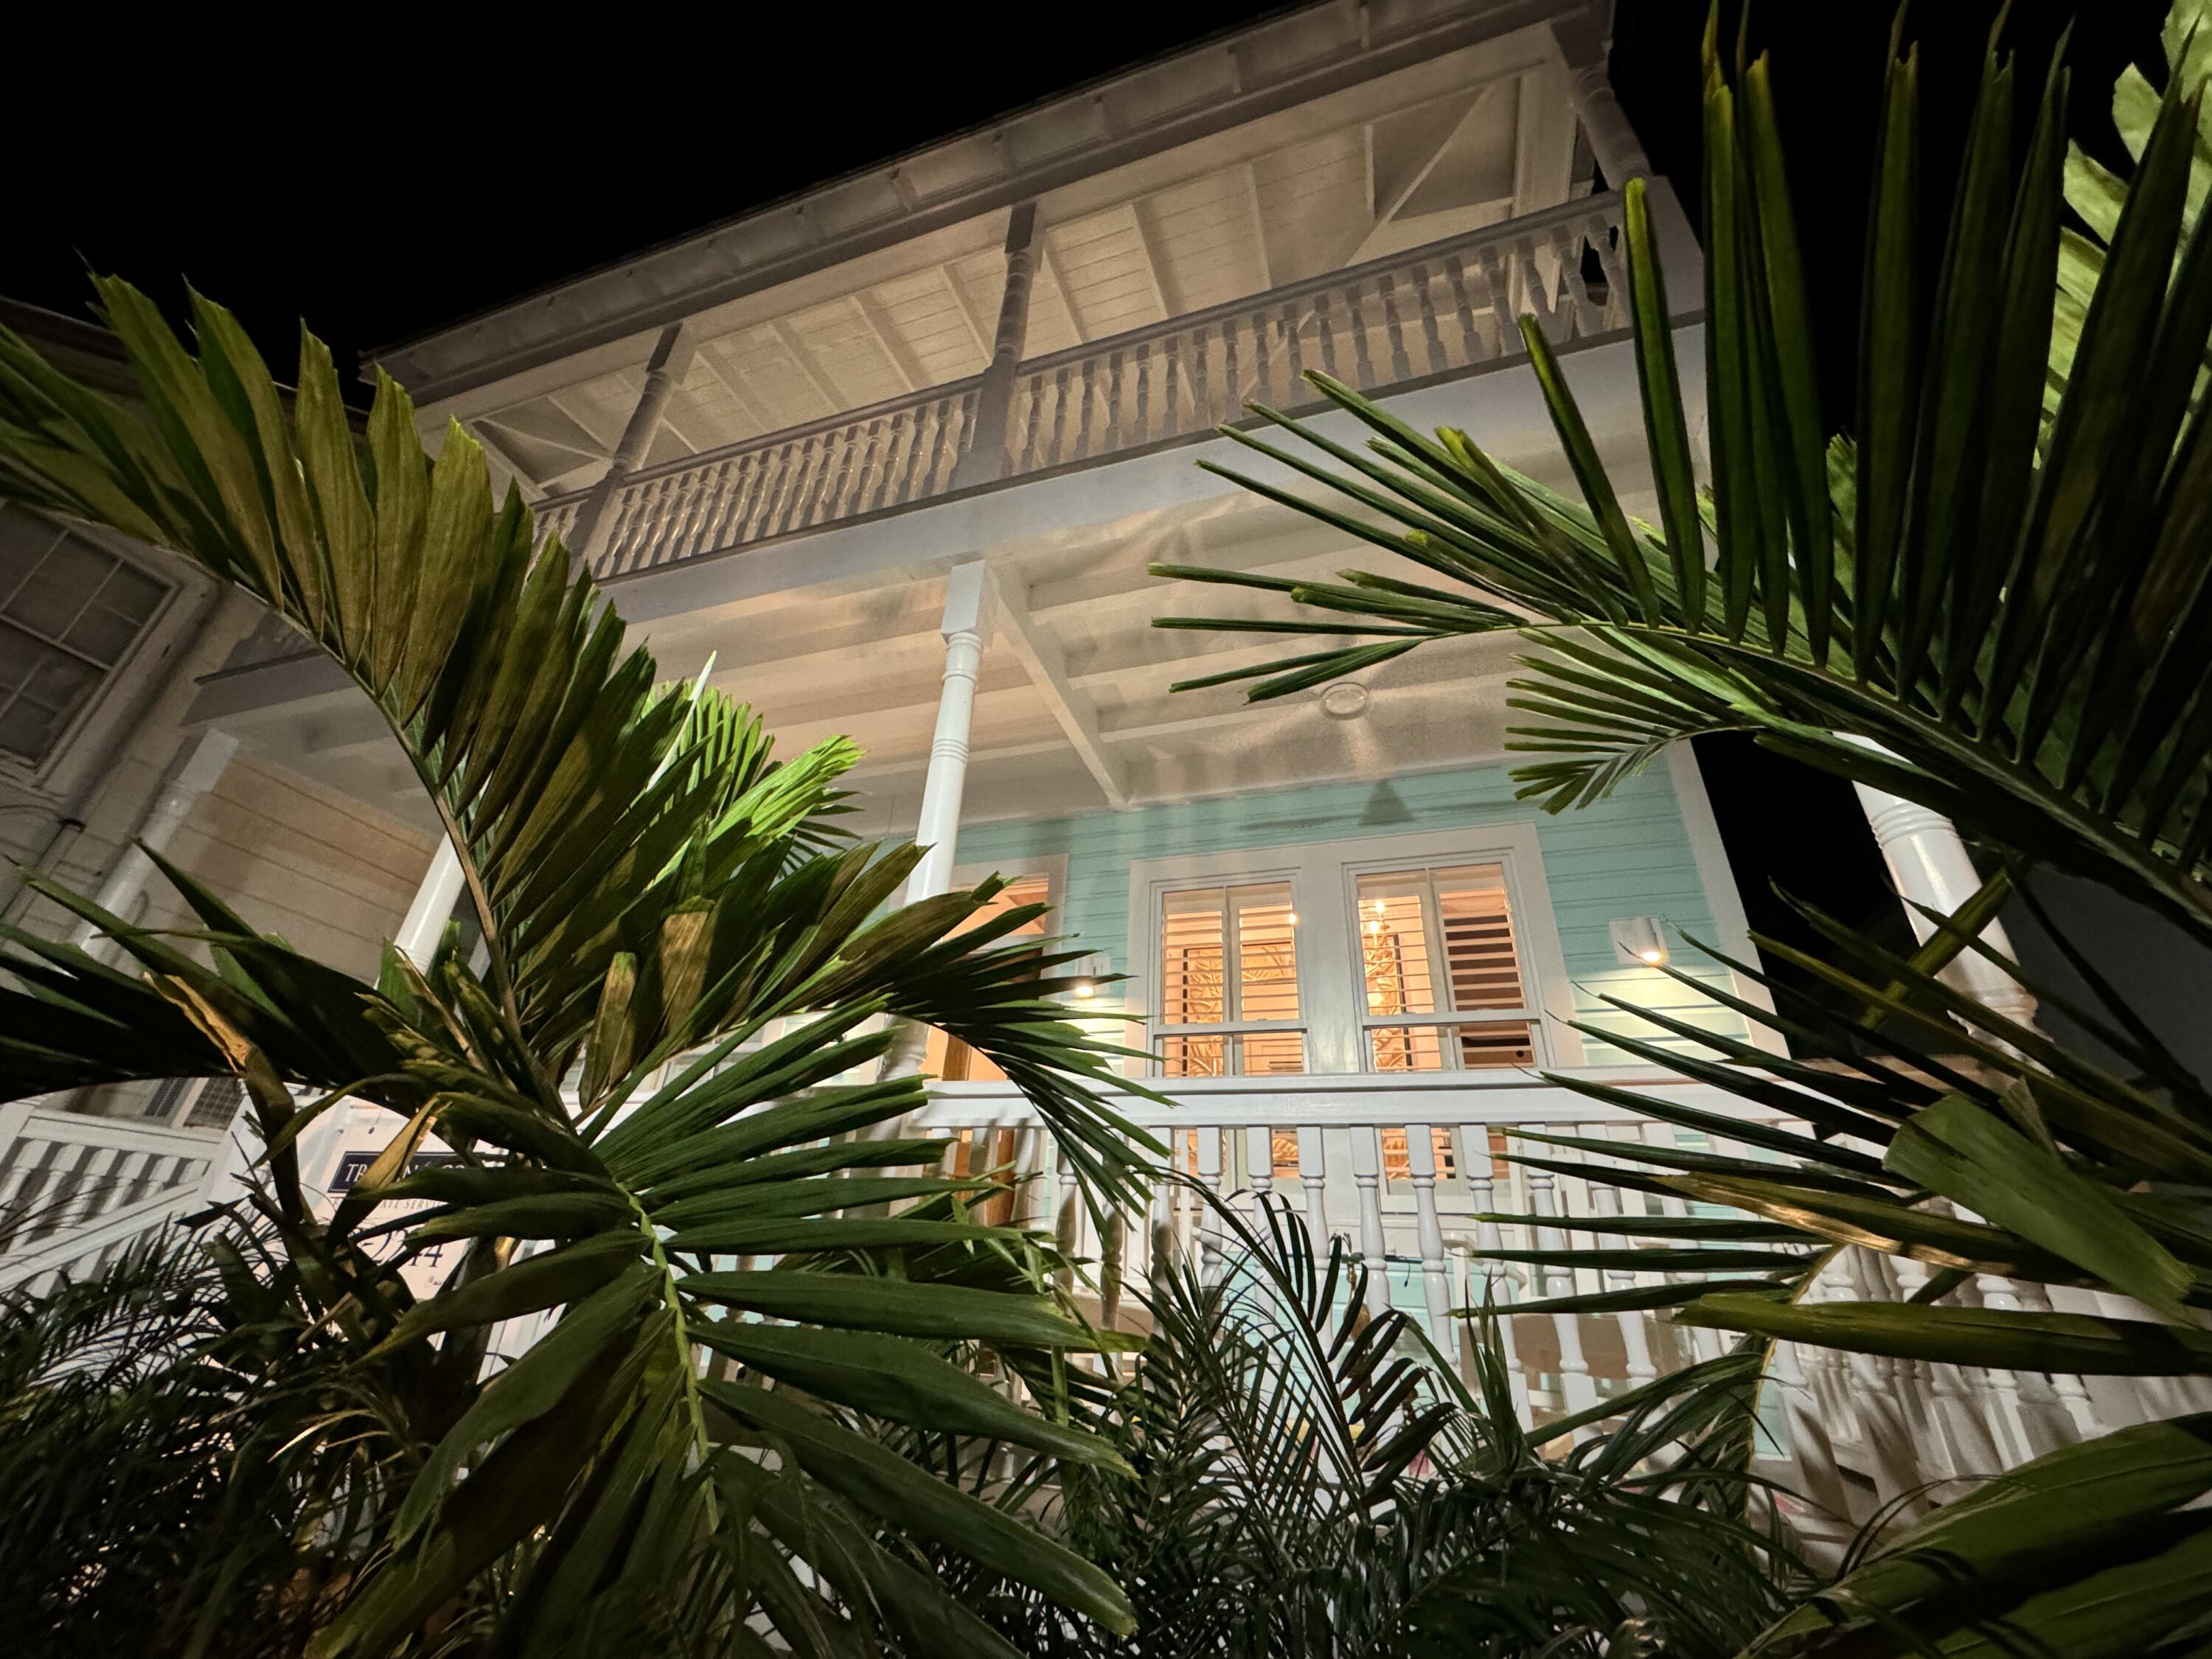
x: 1441, y: 975
x: 1228, y: 1001
x: 955, y: 1061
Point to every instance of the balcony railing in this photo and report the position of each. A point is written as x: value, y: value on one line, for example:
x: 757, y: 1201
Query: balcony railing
x: 1444, y: 309
x: 75, y: 1189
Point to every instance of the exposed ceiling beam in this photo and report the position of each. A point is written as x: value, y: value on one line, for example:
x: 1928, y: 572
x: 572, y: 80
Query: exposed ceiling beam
x: 1388, y: 208
x: 732, y: 380
x: 901, y: 362
x: 494, y: 443
x: 1050, y: 271
x: 967, y: 315
x: 1259, y: 226
x: 802, y: 359
x: 1047, y: 664
x: 558, y: 399
x: 1151, y: 259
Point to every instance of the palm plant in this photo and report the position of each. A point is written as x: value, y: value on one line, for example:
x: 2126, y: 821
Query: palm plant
x: 639, y: 1149
x: 1995, y: 608
x: 1314, y: 1479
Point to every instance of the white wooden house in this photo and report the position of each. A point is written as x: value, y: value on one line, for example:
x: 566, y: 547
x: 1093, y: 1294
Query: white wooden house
x: 896, y: 454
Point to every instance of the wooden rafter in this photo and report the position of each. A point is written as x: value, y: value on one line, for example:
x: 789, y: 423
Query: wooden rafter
x: 787, y: 338
x: 1047, y: 666
x: 968, y: 316
x: 1151, y: 263
x: 1259, y: 226
x: 1049, y: 269
x: 730, y: 378
x: 902, y: 360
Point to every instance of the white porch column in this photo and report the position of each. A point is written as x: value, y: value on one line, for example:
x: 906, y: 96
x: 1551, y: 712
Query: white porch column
x: 969, y: 597
x: 194, y: 772
x: 432, y: 907
x: 664, y: 372
x: 1613, y: 141
x: 1928, y: 864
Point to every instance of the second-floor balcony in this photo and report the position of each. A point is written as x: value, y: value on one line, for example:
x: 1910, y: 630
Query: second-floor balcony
x: 1438, y: 312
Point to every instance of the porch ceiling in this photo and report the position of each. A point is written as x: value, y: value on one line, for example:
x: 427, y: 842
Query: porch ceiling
x: 1433, y: 151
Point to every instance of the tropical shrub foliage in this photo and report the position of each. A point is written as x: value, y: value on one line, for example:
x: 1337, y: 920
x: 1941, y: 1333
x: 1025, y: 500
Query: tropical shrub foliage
x: 1312, y: 1479
x: 654, y: 890
x: 1991, y: 596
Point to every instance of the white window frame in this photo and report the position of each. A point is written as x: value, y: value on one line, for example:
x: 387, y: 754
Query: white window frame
x: 159, y: 629
x: 1323, y: 878
x: 1157, y: 1029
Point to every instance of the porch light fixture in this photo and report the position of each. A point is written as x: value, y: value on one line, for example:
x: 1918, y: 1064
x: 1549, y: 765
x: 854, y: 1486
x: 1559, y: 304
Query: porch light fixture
x: 1084, y: 988
x: 1640, y: 941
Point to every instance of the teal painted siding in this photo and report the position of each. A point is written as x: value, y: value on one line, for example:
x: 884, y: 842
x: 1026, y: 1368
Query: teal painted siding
x: 1628, y: 855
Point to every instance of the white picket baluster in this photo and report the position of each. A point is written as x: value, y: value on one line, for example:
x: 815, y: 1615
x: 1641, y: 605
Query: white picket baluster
x: 1436, y: 1286
x: 1578, y: 1390
x: 1313, y: 1181
x: 1367, y: 1179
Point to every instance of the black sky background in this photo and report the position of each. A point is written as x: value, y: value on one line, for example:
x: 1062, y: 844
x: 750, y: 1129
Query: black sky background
x: 381, y: 186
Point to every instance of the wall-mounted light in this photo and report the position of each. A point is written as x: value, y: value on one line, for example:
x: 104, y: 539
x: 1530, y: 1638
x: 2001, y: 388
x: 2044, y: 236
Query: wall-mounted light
x: 1087, y: 973
x: 1640, y: 941
x: 1292, y: 919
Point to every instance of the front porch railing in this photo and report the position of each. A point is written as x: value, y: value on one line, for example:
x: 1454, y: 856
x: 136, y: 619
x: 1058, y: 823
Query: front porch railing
x: 76, y: 1189
x: 1446, y: 308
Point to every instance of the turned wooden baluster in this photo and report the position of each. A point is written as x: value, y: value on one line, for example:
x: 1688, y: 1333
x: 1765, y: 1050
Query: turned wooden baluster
x: 1567, y: 247
x: 1402, y: 366
x: 1294, y: 355
x: 801, y: 469
x: 1325, y: 326
x: 1057, y: 452
x: 1363, y: 369
x: 1201, y: 399
x: 1471, y: 347
x: 1142, y: 424
x: 1209, y: 1223
x: 1027, y: 456
x: 1367, y: 1179
x: 691, y: 498
x: 1576, y: 1388
x: 1234, y: 387
x: 898, y: 439
x: 1170, y: 397
x: 1499, y: 281
x: 1959, y: 1421
x: 1313, y: 1181
x: 1112, y: 440
x: 1606, y: 1200
x: 1538, y: 289
x: 943, y: 446
x: 1432, y: 343
x: 1435, y: 1284
x: 632, y: 522
x: 1088, y: 406
x: 1705, y: 1343
x: 1497, y: 1284
x: 1260, y: 1161
x: 730, y: 505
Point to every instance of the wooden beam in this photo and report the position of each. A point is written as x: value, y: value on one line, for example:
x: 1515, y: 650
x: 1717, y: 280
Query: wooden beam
x: 1388, y: 209
x: 494, y: 445
x: 607, y: 445
x: 903, y: 364
x: 732, y: 380
x: 1152, y: 260
x: 968, y: 316
x: 1259, y: 226
x: 1047, y: 666
x: 1050, y: 272
x: 787, y: 338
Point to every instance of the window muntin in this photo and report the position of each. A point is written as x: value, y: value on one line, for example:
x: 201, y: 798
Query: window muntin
x: 70, y: 611
x: 1442, y: 982
x: 1228, y: 1001
x: 955, y: 1061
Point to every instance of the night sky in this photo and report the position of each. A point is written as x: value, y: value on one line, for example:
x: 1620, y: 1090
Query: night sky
x: 379, y: 187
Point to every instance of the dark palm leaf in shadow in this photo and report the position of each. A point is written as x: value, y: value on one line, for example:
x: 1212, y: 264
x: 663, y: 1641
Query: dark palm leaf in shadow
x: 1312, y: 1479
